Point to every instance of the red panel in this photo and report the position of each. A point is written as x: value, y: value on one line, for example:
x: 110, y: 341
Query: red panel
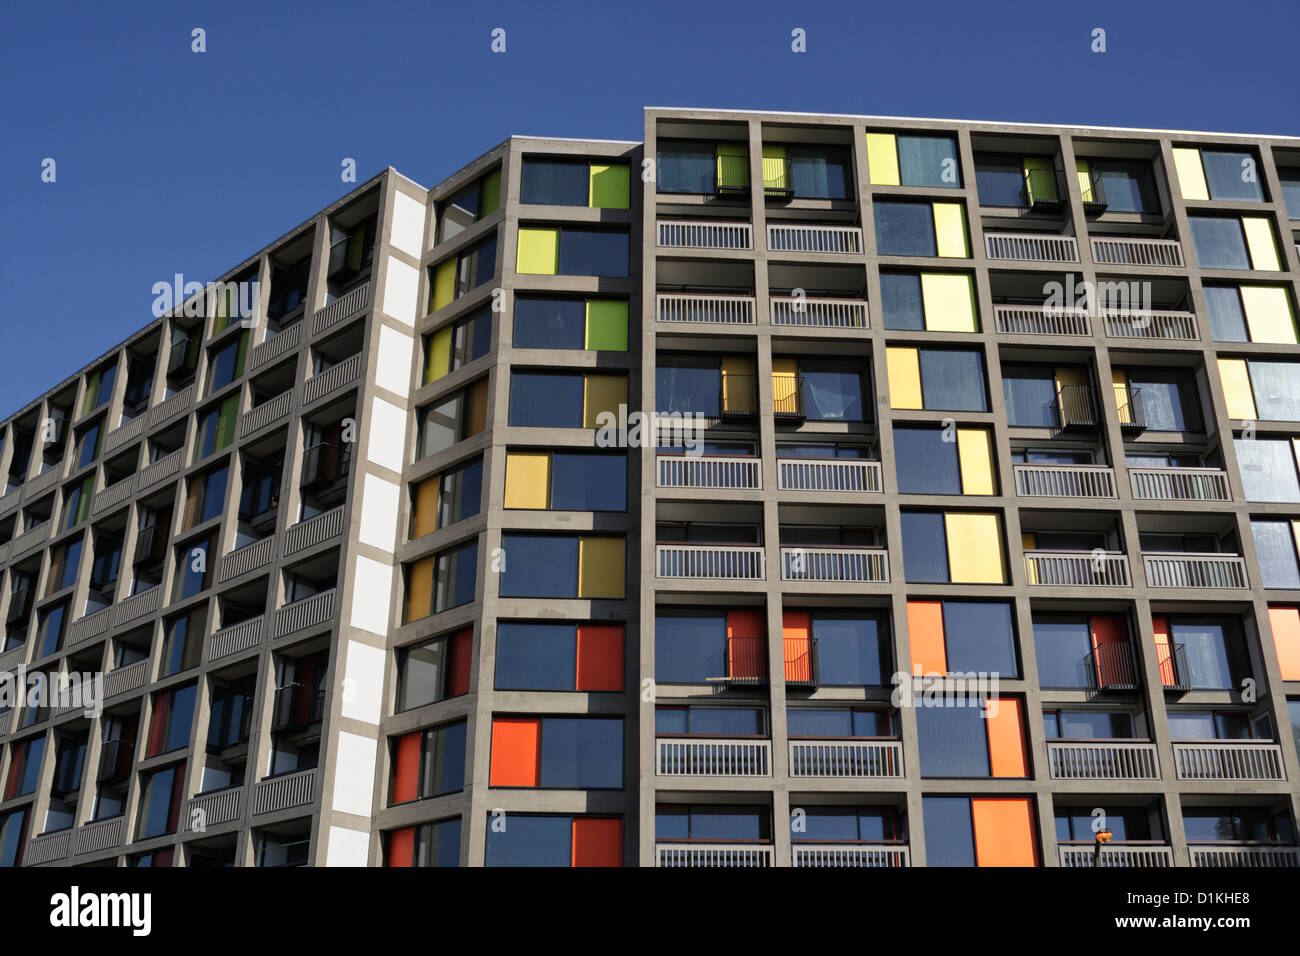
x: 460, y: 647
x: 1114, y: 662
x: 177, y: 798
x: 516, y: 752
x: 406, y: 768
x: 597, y: 841
x: 16, y: 760
x: 600, y: 658
x: 401, y: 847
x: 796, y: 637
x: 746, y: 645
x: 162, y: 704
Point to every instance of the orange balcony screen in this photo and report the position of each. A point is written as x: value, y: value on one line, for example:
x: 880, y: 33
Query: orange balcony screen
x: 516, y: 749
x: 796, y: 636
x: 1113, y: 662
x: 1164, y: 651
x: 1004, y: 831
x: 401, y: 847
x: 1008, y: 756
x: 1285, y: 622
x: 597, y: 841
x: 600, y: 658
x: 460, y: 648
x: 406, y: 768
x: 746, y: 646
x: 925, y: 634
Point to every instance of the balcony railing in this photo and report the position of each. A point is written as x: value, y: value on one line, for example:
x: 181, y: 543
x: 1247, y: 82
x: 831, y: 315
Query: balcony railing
x: 846, y: 758
x: 30, y: 539
x: 712, y: 854
x: 1030, y: 247
x: 857, y: 565
x: 1195, y: 570
x: 285, y: 791
x: 340, y: 309
x: 720, y: 562
x: 349, y: 258
x: 700, y: 234
x: 211, y: 809
x: 268, y: 413
x: 236, y: 638
x: 137, y: 606
x: 1041, y: 320
x: 1255, y: 856
x: 1128, y: 406
x: 1093, y: 569
x: 853, y: 475
x: 1075, y: 407
x: 819, y: 313
x: 113, y: 495
x: 274, y: 348
x: 699, y: 309
x: 1120, y: 251
x: 841, y: 240
x: 1102, y: 760
x: 160, y: 470
x: 1228, y: 760
x: 682, y: 756
x: 313, y: 531
x: 850, y: 854
x: 331, y: 379
x: 1140, y: 324
x: 98, y: 836
x: 172, y: 406
x: 86, y: 628
x: 307, y: 612
x: 728, y: 472
x: 126, y: 432
x: 1064, y: 481
x: 48, y: 847
x: 123, y: 680
x: 1116, y: 855
x: 1180, y: 484
x: 246, y: 559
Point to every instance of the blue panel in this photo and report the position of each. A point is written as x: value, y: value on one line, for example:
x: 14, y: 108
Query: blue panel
x: 689, y: 649
x: 927, y: 465
x: 536, y: 656
x: 980, y: 637
x: 949, y: 833
x: 925, y: 546
x: 953, y: 741
x: 545, y: 400
x: 529, y: 840
x: 539, y: 566
x: 544, y: 323
x: 582, y: 752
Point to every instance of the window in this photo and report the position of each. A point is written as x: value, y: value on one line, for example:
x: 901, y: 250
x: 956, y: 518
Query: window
x: 1206, y: 653
x: 1268, y: 468
x: 1210, y: 725
x: 457, y: 344
x: 572, y: 251
x: 24, y: 766
x: 564, y: 182
x: 555, y: 323
x: 957, y: 741
x: 1128, y: 187
x: 476, y: 201
x: 453, y: 419
x: 1217, y: 174
x: 430, y: 844
x: 555, y: 840
x: 1236, y: 824
x: 921, y: 229
x: 1043, y: 397
x: 434, y: 670
x: 1124, y: 823
x: 839, y: 722
x: 1168, y: 397
x: 99, y: 388
x: 217, y: 426
x: 462, y: 273
x: 956, y: 547
x: 446, y: 498
x: 1276, y: 548
x: 693, y: 384
x: 831, y: 389
x: 1261, y: 390
x: 811, y: 172
x: 936, y: 379
x: 1087, y: 724
x: 566, y: 481
x: 934, y: 461
x: 88, y: 443
x: 228, y: 724
x: 852, y: 649
x: 581, y: 566
x: 909, y: 159
x: 162, y: 793
x: 693, y: 646
x: 557, y: 752
x: 183, y: 646
x: 205, y: 497
x: 702, y: 824
x: 64, y: 562
x: 13, y: 837
x: 557, y: 400
x: 76, y: 502
x: 50, y: 630
x: 930, y: 301
x: 173, y: 715
x: 1076, y: 650
x: 227, y: 363
x: 709, y: 721
x: 960, y: 637
x: 428, y: 763
x: 193, y: 568
x: 442, y: 581
x: 1228, y: 243
x: 979, y: 831
x: 1290, y: 191
x: 999, y: 180
x: 549, y: 656
x: 1250, y: 313
x: 687, y: 167
x: 849, y: 825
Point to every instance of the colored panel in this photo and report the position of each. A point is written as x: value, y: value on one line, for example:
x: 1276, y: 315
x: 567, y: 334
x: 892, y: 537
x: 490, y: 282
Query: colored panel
x: 976, y: 457
x: 600, y: 658
x: 1004, y: 831
x: 1191, y: 176
x: 925, y: 636
x: 1236, y: 389
x: 1113, y: 664
x: 1008, y: 756
x: 516, y: 749
x: 476, y: 407
x: 597, y: 841
x: 739, y: 384
x: 1164, y: 656
x: 606, y: 325
x: 1040, y: 187
x: 950, y: 230
x: 1029, y: 542
x: 401, y: 847
x: 491, y: 200
x: 406, y: 768
x: 444, y: 284
x: 1119, y: 385
x: 796, y: 638
x: 785, y: 385
x: 1084, y: 172
x: 539, y: 252
x: 974, y: 548
x: 776, y: 170
x: 601, y: 567
x: 425, y: 519
x: 438, y: 361
x: 609, y: 187
x: 746, y: 644
x: 1064, y: 378
x: 1268, y: 314
x: 949, y: 302
x: 602, y: 393
x: 882, y: 159
x: 733, y: 166
x: 1285, y: 624
x: 226, y: 422
x: 528, y: 480
x: 419, y: 592
x: 460, y: 647
x: 904, y: 369
x: 1259, y: 240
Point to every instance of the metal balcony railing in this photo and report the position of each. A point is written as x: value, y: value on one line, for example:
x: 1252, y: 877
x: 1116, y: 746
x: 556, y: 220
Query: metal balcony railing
x: 1180, y: 484
x: 734, y: 562
x: 1064, y: 481
x: 1254, y: 856
x: 1041, y: 320
x: 1030, y: 247
x: 1108, y: 569
x: 1146, y: 324
x: 1171, y: 661
x: 1116, y: 855
x: 1128, y: 405
x: 723, y: 471
x: 1194, y: 570
x: 1112, y: 665
x: 1228, y: 760
x: 855, y: 565
x: 342, y: 307
x: 692, y: 308
x: 828, y: 475
x: 1075, y: 407
x: 846, y: 758
x: 850, y: 854
x: 828, y: 240
x: 694, y: 756
x: 701, y: 234
x: 1125, y: 251
x: 819, y: 313
x: 713, y: 854
x: 1102, y: 760
x: 284, y: 791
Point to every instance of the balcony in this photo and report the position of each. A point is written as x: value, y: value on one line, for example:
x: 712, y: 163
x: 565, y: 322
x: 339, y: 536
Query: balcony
x: 296, y: 707
x: 1064, y: 481
x: 284, y: 791
x: 183, y: 355
x: 787, y: 399
x: 696, y: 309
x: 1041, y: 320
x: 266, y: 414
x: 1102, y: 760
x: 1228, y: 760
x: 123, y: 680
x: 115, y: 760
x: 1146, y: 324
x: 712, y: 854
x: 99, y: 835
x: 332, y: 379
x: 1195, y: 570
x: 341, y: 308
x: 1112, y: 665
x: 274, y: 347
x: 746, y: 662
x: 1179, y: 484
x: 1030, y: 247
x: 1116, y: 855
x: 249, y: 558
x: 235, y: 638
x: 304, y: 613
x: 313, y: 531
x: 1122, y: 251
x: 695, y: 756
x: 715, y: 562
x: 325, y: 466
x: 48, y: 848
x: 20, y: 606
x: 1091, y: 569
x: 1076, y: 407
x: 801, y: 312
x: 349, y: 258
x: 854, y: 565
x: 1128, y: 406
x: 1213, y: 854
x: 851, y: 475
x: 851, y: 757
x: 850, y: 854
x: 701, y: 234
x: 211, y: 809
x: 721, y: 472
x: 825, y: 240
x: 1171, y: 660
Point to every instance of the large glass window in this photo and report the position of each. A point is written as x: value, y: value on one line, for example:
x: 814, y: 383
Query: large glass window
x: 925, y: 555
x: 429, y: 763
x: 554, y: 182
x: 926, y: 463
x: 905, y: 229
x: 1277, y: 390
x: 1275, y: 546
x: 852, y: 651
x: 686, y: 383
x: 582, y: 752
x: 1169, y: 398
x: 953, y: 380
x: 928, y: 161
x: 1290, y: 191
x: 999, y: 180
x: 549, y: 323
x: 838, y: 722
x: 1268, y: 469
x: 980, y: 638
x: 593, y: 252
x: 1219, y: 242
x: 1215, y: 652
x: 1227, y: 319
x: 819, y: 172
x: 949, y: 833
x: 685, y: 167
x: 1128, y: 187
x: 1030, y: 395
x: 461, y: 210
x: 228, y: 363
x: 1232, y: 175
x: 901, y: 301
x: 704, y: 824
x: 953, y: 741
x: 1062, y: 643
x: 690, y: 646
x: 832, y: 390
x: 546, y: 400
x: 539, y: 565
x: 588, y: 481
x: 183, y: 646
x: 160, y: 801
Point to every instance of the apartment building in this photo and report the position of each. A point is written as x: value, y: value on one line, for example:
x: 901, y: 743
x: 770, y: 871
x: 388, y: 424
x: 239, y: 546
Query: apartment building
x: 986, y: 539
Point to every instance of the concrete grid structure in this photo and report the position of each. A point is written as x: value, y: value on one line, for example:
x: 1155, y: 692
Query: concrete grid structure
x: 431, y: 629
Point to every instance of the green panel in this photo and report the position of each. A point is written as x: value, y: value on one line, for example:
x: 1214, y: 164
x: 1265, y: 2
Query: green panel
x: 92, y: 390
x: 733, y: 166
x: 609, y: 187
x: 84, y: 498
x: 1041, y: 187
x: 242, y: 355
x: 226, y: 422
x: 606, y: 325
x: 491, y: 193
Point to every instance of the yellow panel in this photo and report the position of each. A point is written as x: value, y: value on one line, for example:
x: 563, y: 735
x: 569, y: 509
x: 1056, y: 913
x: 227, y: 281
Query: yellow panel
x: 785, y: 385
x: 1191, y: 177
x: 739, y: 384
x: 882, y: 159
x: 539, y: 252
x: 975, y: 454
x: 491, y: 191
x: 608, y: 187
x: 438, y: 362
x: 425, y: 518
x: 950, y: 230
x: 974, y: 548
x: 444, y: 284
x: 601, y: 571
x: 733, y: 165
x: 1042, y: 187
x: 949, y: 302
x: 1259, y: 240
x: 1268, y: 314
x: 1084, y: 172
x: 1119, y: 385
x: 419, y: 592
x: 775, y: 168
x: 1236, y: 389
x: 475, y: 413
x: 602, y: 393
x: 1066, y: 377
x: 1029, y: 542
x: 904, y: 369
x: 528, y: 480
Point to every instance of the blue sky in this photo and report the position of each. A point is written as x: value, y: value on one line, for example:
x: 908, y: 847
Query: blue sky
x: 172, y: 161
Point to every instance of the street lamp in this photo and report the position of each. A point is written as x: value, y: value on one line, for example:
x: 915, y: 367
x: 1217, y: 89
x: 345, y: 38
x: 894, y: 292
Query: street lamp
x: 1101, y: 839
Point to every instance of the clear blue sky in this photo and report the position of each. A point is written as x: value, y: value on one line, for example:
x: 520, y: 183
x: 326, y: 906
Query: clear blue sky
x: 171, y: 161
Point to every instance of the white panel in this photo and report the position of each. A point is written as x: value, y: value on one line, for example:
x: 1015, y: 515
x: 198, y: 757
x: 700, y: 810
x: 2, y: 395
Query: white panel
x: 393, y: 367
x: 348, y: 847
x: 363, y: 682
x: 387, y: 444
x: 372, y: 591
x: 354, y: 774
x: 379, y: 513
x: 408, y: 225
x: 400, y: 291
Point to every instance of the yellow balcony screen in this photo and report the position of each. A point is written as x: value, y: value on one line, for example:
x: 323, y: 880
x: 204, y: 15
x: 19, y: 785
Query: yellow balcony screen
x: 949, y: 302
x: 1191, y: 177
x: 1268, y: 314
x: 975, y: 454
x: 419, y: 591
x: 601, y: 567
x: 1259, y: 240
x: 1029, y: 542
x: 602, y: 393
x: 539, y: 252
x: 1119, y: 385
x: 739, y: 384
x: 444, y: 284
x: 1040, y: 179
x: 438, y: 362
x: 904, y: 369
x: 733, y: 166
x: 950, y: 230
x: 1236, y: 389
x: 608, y: 189
x: 775, y: 168
x: 785, y: 385
x: 1084, y: 172
x: 528, y: 480
x: 974, y: 548
x: 882, y: 159
x: 425, y: 517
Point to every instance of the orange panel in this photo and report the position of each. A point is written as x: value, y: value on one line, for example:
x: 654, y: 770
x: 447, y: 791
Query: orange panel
x: 597, y: 841
x: 796, y: 636
x: 1285, y: 622
x: 1004, y: 831
x: 1008, y: 756
x: 1114, y: 663
x: 401, y: 847
x: 516, y: 751
x: 925, y: 635
x: 746, y: 645
x: 600, y: 657
x: 406, y: 768
x: 460, y: 647
x: 1164, y: 656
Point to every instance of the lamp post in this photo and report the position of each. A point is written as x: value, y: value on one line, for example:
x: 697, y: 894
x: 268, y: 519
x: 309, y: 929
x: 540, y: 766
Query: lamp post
x: 1101, y: 839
